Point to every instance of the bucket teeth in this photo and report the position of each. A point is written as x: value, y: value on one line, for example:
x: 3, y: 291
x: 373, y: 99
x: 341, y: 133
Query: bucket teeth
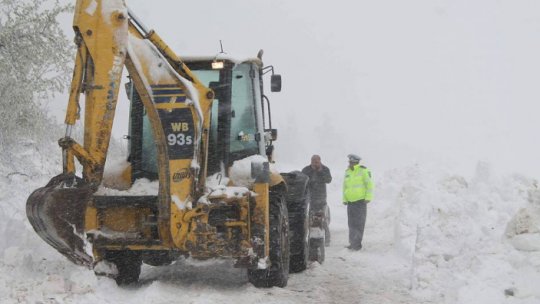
x: 57, y: 211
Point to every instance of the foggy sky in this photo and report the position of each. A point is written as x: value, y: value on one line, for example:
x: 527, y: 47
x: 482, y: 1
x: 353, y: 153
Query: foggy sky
x: 396, y: 82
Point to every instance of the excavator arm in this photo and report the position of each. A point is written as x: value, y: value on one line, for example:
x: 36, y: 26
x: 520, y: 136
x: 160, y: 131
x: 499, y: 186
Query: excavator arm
x: 109, y: 38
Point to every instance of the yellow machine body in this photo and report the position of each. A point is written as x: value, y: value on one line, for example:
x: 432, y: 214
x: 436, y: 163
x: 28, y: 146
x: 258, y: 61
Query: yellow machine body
x: 180, y: 118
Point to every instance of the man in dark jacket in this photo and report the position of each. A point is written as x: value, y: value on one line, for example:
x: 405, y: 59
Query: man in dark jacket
x: 319, y: 176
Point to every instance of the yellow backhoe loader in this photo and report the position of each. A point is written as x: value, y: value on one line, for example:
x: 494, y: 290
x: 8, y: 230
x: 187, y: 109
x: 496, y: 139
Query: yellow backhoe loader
x: 193, y: 125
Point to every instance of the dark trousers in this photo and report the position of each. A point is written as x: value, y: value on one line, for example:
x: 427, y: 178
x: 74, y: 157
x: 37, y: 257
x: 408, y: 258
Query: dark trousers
x: 356, y: 214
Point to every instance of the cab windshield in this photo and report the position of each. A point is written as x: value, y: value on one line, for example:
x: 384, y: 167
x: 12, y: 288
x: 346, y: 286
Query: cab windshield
x: 233, y: 126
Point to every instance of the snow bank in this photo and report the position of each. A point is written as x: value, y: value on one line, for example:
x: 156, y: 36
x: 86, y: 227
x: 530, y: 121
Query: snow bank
x: 462, y: 241
x: 524, y: 228
x: 457, y: 235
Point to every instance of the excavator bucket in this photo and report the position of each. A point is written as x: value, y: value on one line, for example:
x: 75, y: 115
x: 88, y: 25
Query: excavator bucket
x: 56, y: 212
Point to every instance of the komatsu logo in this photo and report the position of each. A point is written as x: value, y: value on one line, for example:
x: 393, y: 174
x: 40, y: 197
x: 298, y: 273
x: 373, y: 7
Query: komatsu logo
x: 180, y: 175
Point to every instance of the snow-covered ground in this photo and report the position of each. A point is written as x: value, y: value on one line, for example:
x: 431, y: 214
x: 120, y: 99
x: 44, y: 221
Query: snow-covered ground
x: 431, y: 237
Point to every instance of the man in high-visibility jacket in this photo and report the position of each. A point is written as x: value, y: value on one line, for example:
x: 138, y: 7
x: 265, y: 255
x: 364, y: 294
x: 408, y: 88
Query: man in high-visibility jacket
x: 357, y: 193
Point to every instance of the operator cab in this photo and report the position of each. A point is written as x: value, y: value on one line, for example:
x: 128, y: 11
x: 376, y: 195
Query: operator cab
x: 240, y: 117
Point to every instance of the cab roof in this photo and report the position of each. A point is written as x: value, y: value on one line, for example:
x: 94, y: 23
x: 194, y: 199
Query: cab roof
x: 192, y: 59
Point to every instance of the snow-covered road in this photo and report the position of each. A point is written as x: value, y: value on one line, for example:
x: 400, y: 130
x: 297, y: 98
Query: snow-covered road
x: 373, y: 275
x: 431, y: 237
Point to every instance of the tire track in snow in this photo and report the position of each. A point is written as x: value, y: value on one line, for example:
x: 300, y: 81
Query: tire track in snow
x: 372, y: 275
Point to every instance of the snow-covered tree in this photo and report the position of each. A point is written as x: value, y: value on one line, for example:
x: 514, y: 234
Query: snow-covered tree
x: 35, y: 58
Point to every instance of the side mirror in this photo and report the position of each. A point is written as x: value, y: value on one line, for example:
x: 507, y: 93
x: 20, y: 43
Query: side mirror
x: 273, y: 134
x: 270, y: 134
x: 275, y: 83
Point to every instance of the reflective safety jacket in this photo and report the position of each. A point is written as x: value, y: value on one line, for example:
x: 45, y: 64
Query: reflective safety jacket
x: 357, y: 185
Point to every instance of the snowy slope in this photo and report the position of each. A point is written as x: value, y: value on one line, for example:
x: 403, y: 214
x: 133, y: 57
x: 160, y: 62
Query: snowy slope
x: 431, y: 237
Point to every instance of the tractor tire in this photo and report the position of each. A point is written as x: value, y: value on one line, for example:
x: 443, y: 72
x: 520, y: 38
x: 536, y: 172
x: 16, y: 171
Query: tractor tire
x: 128, y: 263
x: 278, y: 273
x: 316, y: 250
x: 299, y: 223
